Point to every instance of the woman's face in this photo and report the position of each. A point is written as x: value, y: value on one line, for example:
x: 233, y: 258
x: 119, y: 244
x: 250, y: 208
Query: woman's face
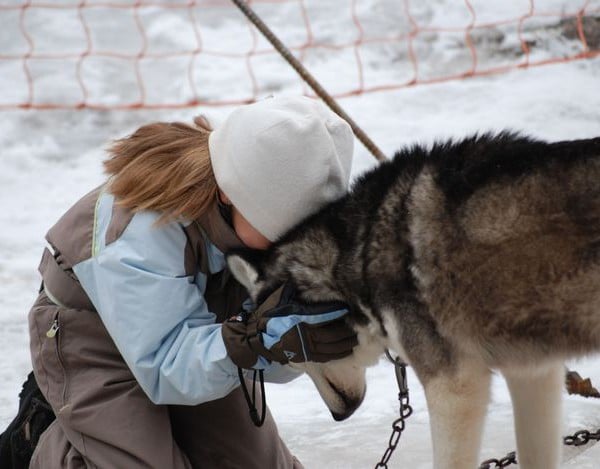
x: 245, y: 231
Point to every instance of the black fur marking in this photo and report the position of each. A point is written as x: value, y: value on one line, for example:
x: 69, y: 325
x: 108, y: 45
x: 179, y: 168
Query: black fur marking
x: 463, y: 167
x: 254, y: 257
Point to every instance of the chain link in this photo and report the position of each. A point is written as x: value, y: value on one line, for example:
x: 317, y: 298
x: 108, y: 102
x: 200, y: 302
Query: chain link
x: 405, y: 411
x: 582, y: 437
x: 579, y: 438
x: 510, y: 458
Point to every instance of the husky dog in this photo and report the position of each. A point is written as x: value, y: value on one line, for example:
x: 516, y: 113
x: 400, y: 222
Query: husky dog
x: 463, y: 258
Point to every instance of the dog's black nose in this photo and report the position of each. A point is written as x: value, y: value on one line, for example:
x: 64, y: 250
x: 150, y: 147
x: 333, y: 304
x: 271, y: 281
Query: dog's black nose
x: 349, y: 411
x: 340, y: 417
x: 350, y: 406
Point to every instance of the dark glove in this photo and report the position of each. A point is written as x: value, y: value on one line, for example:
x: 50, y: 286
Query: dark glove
x: 284, y: 330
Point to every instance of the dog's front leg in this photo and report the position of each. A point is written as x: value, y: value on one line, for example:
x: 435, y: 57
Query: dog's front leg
x: 457, y: 403
x: 537, y: 397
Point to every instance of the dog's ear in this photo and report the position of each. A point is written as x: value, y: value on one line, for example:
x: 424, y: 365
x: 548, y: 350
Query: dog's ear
x: 245, y: 264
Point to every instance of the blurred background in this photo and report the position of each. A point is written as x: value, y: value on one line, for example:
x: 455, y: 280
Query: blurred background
x: 75, y: 74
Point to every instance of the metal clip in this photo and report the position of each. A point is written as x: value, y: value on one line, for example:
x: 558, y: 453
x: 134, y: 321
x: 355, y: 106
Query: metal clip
x: 400, y: 370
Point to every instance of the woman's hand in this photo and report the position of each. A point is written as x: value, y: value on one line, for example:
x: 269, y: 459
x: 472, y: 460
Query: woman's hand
x: 284, y: 330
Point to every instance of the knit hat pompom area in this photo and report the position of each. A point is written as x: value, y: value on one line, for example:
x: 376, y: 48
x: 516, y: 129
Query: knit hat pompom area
x: 280, y: 160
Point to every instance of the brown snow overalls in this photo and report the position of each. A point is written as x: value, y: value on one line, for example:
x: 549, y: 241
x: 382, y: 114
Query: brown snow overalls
x: 104, y: 419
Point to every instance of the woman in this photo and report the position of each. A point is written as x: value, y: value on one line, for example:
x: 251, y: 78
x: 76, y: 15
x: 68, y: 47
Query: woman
x: 126, y: 336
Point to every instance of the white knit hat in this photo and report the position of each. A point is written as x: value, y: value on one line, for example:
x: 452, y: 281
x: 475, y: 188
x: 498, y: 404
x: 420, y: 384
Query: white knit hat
x: 281, y: 159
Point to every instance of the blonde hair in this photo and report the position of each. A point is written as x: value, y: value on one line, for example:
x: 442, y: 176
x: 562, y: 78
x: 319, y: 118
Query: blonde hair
x: 164, y: 167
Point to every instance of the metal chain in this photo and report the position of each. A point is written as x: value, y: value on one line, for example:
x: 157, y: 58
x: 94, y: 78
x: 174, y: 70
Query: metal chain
x: 510, y: 458
x: 579, y: 438
x: 582, y: 437
x: 405, y: 411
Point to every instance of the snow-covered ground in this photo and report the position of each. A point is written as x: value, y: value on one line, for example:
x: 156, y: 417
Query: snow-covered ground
x: 50, y: 158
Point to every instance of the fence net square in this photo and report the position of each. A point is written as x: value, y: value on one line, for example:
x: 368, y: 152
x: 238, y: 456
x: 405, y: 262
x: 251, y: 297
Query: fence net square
x: 129, y: 54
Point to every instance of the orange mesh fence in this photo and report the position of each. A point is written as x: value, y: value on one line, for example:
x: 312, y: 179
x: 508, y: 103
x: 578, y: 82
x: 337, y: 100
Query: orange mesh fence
x: 128, y: 54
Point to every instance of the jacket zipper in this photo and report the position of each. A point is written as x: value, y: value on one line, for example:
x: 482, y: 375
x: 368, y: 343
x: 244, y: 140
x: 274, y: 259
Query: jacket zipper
x: 53, y: 329
x: 53, y: 333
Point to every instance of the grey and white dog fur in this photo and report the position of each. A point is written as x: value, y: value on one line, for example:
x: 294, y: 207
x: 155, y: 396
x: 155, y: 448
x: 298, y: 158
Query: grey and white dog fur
x: 462, y: 258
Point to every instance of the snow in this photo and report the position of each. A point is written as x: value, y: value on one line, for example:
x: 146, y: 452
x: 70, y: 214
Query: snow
x: 51, y: 158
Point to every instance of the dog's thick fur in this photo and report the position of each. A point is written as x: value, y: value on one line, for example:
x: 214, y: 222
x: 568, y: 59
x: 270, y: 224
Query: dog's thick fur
x: 463, y: 258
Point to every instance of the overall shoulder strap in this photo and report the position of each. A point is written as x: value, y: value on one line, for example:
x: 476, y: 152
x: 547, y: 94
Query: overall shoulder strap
x: 71, y: 238
x: 224, y: 294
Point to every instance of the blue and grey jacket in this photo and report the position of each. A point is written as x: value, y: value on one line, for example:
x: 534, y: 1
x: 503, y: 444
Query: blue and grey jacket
x: 160, y: 290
